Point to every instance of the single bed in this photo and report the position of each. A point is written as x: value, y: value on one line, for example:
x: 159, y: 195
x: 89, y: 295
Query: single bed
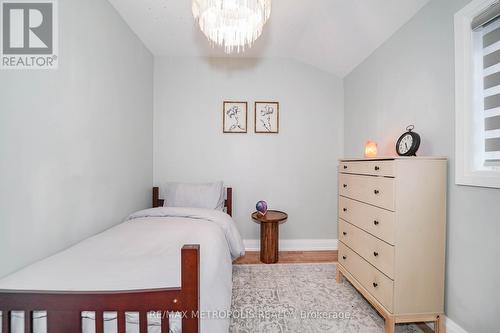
x: 127, y: 279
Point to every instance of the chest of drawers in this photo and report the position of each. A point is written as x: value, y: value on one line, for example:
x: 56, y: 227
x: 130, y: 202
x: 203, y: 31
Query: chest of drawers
x: 392, y: 236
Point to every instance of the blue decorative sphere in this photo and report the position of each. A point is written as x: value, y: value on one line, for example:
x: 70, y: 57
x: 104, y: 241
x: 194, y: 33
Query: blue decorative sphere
x: 261, y: 207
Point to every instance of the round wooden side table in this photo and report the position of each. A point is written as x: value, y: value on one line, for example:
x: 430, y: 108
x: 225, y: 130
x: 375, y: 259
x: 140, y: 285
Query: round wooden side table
x: 269, y: 234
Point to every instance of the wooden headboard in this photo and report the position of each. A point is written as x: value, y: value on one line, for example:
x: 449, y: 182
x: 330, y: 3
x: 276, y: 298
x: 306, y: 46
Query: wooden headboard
x: 228, y: 202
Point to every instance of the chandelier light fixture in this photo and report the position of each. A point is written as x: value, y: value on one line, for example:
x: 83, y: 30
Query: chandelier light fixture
x: 232, y: 24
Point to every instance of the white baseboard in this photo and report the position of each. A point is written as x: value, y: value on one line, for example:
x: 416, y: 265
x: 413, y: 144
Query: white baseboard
x: 296, y: 244
x: 452, y: 327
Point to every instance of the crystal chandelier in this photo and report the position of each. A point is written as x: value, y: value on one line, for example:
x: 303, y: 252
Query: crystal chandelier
x: 232, y: 24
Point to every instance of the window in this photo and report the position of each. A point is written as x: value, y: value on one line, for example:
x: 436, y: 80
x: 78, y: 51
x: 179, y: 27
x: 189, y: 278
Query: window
x: 477, y: 75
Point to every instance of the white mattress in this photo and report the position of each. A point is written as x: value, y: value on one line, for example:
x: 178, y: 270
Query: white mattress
x: 144, y: 253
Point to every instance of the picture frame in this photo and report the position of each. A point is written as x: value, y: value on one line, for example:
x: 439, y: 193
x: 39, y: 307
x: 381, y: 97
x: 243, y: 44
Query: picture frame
x: 234, y: 117
x: 267, y: 117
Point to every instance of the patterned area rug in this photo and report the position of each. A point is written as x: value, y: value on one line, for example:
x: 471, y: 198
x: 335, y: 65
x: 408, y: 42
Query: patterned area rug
x: 302, y: 298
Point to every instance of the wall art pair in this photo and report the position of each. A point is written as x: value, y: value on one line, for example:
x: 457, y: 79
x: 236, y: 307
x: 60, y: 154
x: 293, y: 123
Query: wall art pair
x: 266, y: 117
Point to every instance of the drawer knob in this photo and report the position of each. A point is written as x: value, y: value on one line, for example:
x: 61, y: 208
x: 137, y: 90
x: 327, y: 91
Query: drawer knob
x: 377, y: 168
x: 375, y: 222
x: 375, y: 254
x: 375, y: 284
x: 345, y: 185
x: 344, y: 233
x: 345, y: 167
x: 376, y: 191
x: 345, y: 209
x: 344, y: 257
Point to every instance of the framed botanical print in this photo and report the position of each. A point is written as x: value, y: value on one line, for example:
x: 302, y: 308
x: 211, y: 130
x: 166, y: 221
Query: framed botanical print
x: 234, y: 117
x: 267, y: 117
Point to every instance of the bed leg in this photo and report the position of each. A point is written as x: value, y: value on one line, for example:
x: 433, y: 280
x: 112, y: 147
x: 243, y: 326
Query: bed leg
x: 190, y: 287
x: 156, y: 196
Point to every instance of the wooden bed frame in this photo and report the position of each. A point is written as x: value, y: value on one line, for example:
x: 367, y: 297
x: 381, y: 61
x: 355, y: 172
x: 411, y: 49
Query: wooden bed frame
x: 228, y: 202
x: 64, y: 308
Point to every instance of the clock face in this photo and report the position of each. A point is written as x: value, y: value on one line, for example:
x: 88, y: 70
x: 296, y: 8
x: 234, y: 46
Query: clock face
x: 405, y: 144
x: 408, y: 143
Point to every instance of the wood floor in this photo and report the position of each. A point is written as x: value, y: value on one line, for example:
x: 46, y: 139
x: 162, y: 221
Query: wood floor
x: 290, y: 257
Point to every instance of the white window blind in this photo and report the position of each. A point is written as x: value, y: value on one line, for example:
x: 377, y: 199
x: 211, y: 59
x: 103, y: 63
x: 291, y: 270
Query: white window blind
x: 487, y: 57
x: 477, y: 94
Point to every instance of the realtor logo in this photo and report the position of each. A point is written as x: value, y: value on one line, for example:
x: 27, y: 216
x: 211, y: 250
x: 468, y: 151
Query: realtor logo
x: 29, y: 34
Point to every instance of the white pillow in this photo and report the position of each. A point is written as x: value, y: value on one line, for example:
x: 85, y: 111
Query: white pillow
x: 208, y: 195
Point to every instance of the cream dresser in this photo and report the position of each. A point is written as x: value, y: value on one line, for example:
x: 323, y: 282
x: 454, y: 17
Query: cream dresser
x: 392, y: 232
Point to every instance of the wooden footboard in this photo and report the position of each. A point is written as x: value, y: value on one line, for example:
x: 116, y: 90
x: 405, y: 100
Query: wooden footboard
x: 64, y: 308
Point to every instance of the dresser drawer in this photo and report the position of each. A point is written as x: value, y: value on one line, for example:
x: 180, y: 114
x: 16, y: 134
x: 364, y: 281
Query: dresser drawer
x: 377, y: 252
x: 376, y: 283
x: 377, y: 221
x: 378, y: 191
x: 376, y: 168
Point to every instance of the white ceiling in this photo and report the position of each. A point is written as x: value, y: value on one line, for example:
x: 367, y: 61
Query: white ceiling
x: 333, y: 35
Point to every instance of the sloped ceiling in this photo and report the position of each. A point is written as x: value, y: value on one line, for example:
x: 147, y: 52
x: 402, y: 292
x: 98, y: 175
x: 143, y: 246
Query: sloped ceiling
x: 333, y: 35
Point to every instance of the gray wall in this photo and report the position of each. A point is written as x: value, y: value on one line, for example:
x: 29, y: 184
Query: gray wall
x: 75, y: 143
x: 410, y: 80
x: 294, y: 170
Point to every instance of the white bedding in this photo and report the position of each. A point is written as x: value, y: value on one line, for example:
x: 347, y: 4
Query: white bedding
x: 144, y: 253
